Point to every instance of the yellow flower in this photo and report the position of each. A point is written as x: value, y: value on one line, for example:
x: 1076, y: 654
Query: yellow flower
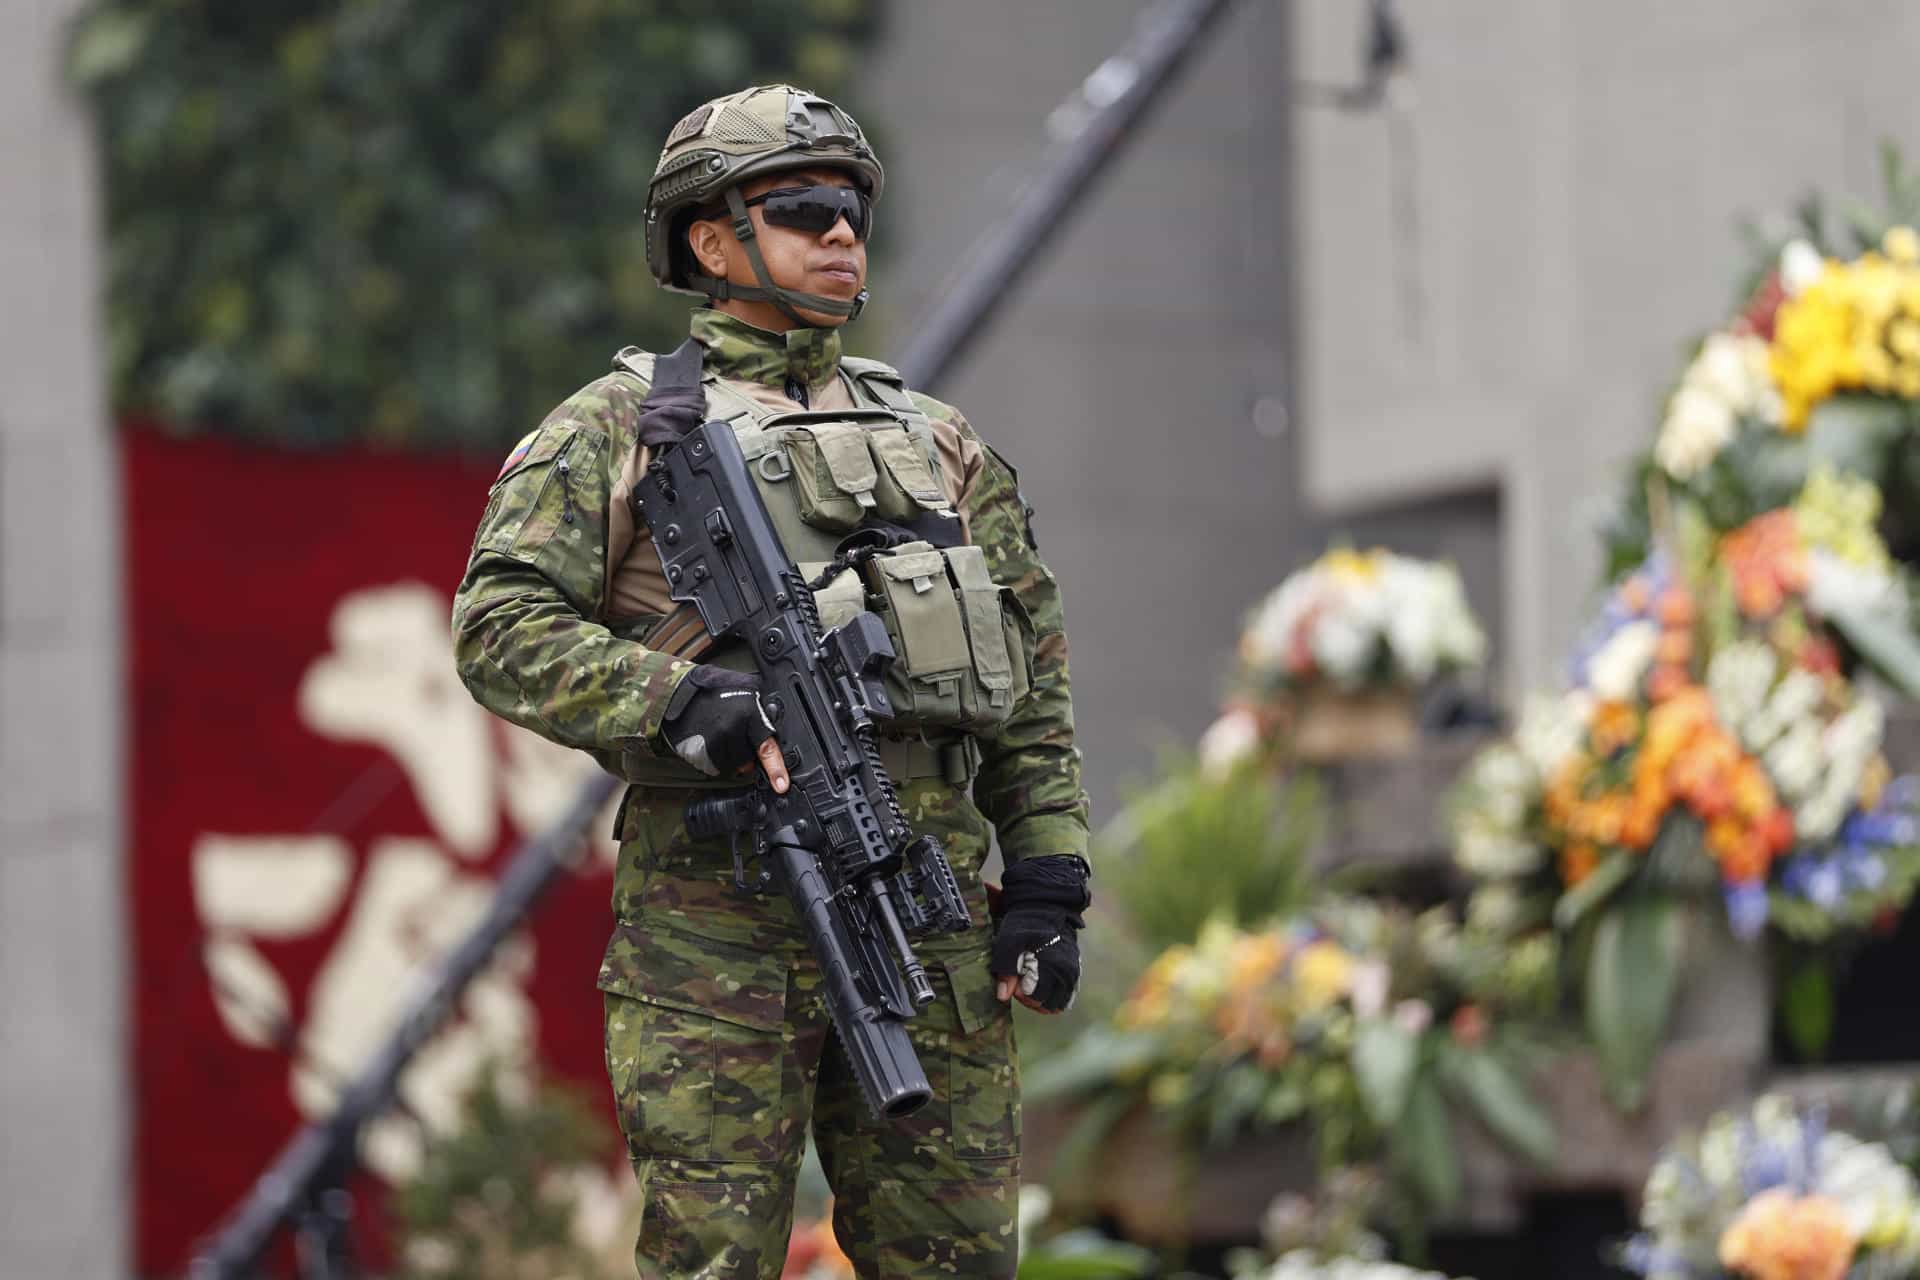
x: 1355, y: 566
x: 1322, y: 974
x: 1780, y: 1236
x: 1902, y: 244
x: 1845, y: 330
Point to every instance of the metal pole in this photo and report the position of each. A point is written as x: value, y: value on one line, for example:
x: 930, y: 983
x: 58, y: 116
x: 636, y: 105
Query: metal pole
x: 310, y: 1169
x: 1099, y: 117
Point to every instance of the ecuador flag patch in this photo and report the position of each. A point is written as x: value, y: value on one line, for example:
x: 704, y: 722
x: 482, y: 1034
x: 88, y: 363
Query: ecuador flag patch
x: 519, y: 452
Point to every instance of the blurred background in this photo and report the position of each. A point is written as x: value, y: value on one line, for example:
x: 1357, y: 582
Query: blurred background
x: 285, y: 279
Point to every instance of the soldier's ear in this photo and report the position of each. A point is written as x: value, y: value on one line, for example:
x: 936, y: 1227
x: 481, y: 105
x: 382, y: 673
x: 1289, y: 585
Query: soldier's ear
x: 709, y: 245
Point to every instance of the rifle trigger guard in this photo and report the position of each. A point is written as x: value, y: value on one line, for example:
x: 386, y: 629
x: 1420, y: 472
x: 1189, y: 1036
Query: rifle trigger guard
x: 741, y: 885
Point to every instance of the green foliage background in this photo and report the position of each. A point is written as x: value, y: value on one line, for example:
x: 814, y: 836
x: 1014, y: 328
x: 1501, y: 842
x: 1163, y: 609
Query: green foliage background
x: 405, y: 221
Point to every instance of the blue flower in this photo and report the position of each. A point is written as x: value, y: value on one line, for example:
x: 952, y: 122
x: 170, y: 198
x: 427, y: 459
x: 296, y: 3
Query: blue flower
x: 1796, y: 875
x: 1865, y: 871
x: 1762, y: 1165
x: 1746, y: 908
x: 1824, y: 885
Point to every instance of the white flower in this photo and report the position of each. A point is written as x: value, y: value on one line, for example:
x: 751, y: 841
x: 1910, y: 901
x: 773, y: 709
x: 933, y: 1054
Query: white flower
x: 1794, y: 761
x: 1228, y: 741
x: 1800, y: 265
x: 1343, y: 647
x: 1837, y: 586
x: 1303, y: 1264
x: 1413, y: 1016
x: 1335, y: 617
x: 1614, y: 672
x: 1552, y: 728
x: 1738, y: 679
x: 1490, y: 854
x: 1698, y: 425
x: 1495, y: 908
x: 1368, y: 987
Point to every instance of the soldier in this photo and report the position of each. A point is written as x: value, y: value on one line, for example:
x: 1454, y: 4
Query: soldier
x: 719, y: 1048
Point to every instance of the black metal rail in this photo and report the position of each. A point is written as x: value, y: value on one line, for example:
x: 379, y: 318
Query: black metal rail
x: 1100, y: 116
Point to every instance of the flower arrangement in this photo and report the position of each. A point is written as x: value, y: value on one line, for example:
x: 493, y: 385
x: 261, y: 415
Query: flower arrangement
x: 1367, y: 1022
x: 1329, y: 658
x: 1700, y: 745
x: 1323, y: 1237
x: 1360, y: 619
x: 1774, y: 1194
x: 1808, y: 400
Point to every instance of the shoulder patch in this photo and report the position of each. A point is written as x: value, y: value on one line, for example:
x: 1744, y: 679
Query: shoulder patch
x: 519, y: 452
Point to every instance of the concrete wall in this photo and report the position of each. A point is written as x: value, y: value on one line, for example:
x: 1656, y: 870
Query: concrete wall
x: 1501, y: 274
x: 63, y: 1105
x: 1123, y: 377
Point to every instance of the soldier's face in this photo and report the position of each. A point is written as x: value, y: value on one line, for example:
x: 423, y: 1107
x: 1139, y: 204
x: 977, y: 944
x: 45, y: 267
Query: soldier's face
x: 832, y: 263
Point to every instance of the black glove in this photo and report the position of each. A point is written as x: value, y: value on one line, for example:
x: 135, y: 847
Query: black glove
x: 715, y: 721
x: 667, y: 414
x: 1035, y: 937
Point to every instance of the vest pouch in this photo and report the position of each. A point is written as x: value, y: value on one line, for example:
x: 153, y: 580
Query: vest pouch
x: 994, y: 658
x: 906, y: 483
x: 834, y: 473
x: 923, y: 619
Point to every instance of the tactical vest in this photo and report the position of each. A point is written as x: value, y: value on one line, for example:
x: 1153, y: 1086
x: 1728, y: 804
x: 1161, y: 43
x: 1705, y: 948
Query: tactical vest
x: 963, y: 643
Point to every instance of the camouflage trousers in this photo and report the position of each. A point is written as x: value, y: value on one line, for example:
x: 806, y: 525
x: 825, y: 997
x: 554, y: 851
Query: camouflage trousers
x: 723, y: 1058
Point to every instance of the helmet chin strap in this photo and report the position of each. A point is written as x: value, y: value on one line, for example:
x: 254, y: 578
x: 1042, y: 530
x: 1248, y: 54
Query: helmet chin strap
x: 787, y: 300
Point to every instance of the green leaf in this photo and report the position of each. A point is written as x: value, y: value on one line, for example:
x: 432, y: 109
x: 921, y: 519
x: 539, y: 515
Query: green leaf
x: 1632, y: 974
x: 1500, y: 1097
x: 1425, y: 1146
x: 106, y: 43
x: 1884, y: 638
x: 1806, y: 1007
x: 1085, y: 1256
x: 1074, y: 1157
x: 1100, y: 1056
x: 1854, y: 432
x: 1678, y: 861
x: 1385, y: 1055
x: 1599, y: 885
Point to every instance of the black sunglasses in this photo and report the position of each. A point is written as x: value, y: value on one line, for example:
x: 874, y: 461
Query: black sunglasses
x: 816, y: 209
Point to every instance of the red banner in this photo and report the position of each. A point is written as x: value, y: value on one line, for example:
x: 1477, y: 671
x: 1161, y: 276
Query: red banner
x: 317, y: 806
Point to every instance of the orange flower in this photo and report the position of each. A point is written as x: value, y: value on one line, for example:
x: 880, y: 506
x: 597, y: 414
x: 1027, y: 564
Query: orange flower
x: 1676, y: 607
x: 1753, y: 797
x: 1469, y: 1025
x: 1780, y: 1236
x: 1723, y: 838
x: 1642, y: 824
x: 1615, y: 725
x: 1749, y: 859
x: 1577, y: 862
x: 1663, y: 682
x: 1777, y: 830
x: 1674, y: 648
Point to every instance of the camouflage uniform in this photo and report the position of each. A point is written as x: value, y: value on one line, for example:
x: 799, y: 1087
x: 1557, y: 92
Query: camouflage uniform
x: 718, y: 1042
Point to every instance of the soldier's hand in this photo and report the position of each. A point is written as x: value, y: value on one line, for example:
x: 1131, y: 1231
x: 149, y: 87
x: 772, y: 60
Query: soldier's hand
x: 717, y: 724
x: 1036, y: 947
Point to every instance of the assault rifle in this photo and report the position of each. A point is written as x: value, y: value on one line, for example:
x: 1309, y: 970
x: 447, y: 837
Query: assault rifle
x: 836, y: 843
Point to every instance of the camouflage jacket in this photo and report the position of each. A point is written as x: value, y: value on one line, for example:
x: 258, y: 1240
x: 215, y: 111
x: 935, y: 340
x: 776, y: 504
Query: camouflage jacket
x: 560, y: 583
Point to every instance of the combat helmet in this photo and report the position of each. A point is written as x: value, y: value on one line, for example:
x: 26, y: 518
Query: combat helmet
x: 723, y: 143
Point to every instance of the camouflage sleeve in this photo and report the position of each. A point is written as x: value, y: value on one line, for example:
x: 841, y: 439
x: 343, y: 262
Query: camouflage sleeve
x: 526, y: 634
x: 1029, y: 780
